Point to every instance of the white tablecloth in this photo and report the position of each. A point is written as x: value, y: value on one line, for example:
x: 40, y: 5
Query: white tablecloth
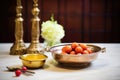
x: 105, y: 67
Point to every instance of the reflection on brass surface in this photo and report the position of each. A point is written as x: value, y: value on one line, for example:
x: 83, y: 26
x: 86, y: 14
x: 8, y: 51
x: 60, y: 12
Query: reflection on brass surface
x: 35, y: 32
x: 74, y: 65
x: 18, y: 47
x: 33, y: 61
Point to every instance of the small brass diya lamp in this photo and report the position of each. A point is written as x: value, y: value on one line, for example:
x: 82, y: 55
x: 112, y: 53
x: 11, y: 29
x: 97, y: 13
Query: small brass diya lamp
x: 33, y: 61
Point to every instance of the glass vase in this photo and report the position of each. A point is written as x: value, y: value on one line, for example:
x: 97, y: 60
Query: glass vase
x: 48, y: 44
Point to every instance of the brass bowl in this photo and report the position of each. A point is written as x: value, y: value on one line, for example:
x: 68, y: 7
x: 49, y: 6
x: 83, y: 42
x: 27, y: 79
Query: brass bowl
x: 33, y: 61
x: 75, y: 60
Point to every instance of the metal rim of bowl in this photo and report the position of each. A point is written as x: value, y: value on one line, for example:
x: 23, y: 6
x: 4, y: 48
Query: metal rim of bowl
x: 98, y: 47
x: 21, y: 57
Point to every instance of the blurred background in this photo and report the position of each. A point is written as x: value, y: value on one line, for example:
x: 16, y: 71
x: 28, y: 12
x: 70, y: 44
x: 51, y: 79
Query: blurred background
x: 89, y: 21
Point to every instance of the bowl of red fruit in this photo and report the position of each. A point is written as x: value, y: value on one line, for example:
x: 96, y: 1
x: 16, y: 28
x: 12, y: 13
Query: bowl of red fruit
x: 75, y: 54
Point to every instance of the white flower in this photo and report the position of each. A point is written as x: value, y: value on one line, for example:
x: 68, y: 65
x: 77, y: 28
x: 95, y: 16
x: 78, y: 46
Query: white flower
x: 52, y: 31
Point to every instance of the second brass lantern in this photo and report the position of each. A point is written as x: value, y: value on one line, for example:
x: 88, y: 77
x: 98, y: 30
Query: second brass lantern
x: 34, y: 46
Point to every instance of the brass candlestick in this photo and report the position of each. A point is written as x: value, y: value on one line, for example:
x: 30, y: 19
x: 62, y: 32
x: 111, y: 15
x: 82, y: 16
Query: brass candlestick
x: 35, y: 32
x: 18, y: 47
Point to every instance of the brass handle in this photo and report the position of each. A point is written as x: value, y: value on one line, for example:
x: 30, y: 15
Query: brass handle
x: 103, y: 50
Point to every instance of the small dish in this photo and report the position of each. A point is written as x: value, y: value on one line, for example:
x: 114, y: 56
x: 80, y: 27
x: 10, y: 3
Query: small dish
x: 33, y: 61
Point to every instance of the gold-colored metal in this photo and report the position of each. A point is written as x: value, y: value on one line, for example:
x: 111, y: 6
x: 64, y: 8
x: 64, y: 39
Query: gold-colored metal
x: 33, y: 61
x: 18, y: 47
x: 35, y: 32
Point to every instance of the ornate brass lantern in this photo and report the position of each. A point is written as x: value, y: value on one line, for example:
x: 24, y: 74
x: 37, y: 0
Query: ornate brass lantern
x: 34, y: 47
x: 18, y: 47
